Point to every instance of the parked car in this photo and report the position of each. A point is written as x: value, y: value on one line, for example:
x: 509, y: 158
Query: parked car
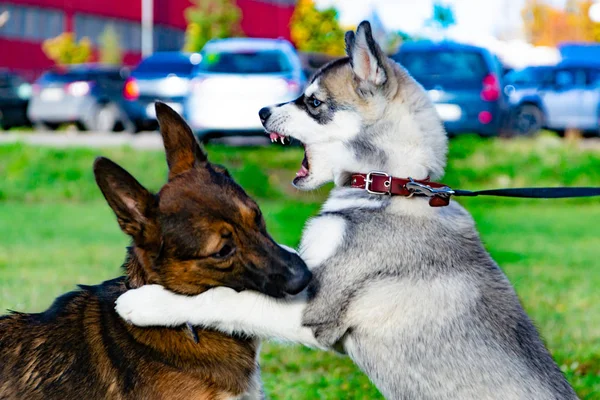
x: 568, y: 97
x: 163, y: 76
x: 89, y: 95
x: 235, y: 79
x: 14, y: 97
x: 521, y: 87
x: 463, y: 81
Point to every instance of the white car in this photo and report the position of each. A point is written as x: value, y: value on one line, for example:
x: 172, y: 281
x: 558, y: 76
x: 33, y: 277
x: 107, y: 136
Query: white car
x: 235, y: 79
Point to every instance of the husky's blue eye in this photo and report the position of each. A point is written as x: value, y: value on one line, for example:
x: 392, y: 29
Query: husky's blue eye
x: 315, y: 102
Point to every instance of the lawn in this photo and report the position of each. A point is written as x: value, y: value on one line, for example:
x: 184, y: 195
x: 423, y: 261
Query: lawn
x: 56, y: 231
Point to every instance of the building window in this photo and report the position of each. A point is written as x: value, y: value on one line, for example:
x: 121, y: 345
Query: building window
x: 31, y: 23
x: 92, y: 27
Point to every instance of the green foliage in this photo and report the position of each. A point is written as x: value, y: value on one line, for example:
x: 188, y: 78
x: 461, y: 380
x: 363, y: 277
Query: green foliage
x: 210, y: 19
x: 109, y: 51
x: 395, y: 40
x: 65, y: 49
x: 317, y: 31
x: 57, y: 231
x: 443, y: 15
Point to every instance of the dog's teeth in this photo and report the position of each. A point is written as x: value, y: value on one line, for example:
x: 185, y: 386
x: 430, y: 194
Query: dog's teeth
x: 282, y: 138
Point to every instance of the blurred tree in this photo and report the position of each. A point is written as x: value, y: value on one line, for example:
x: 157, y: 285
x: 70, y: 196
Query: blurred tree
x: 210, y: 19
x: 443, y: 15
x: 109, y: 51
x: 548, y: 26
x: 317, y: 31
x: 395, y: 40
x: 64, y: 49
x: 591, y: 29
x: 535, y: 15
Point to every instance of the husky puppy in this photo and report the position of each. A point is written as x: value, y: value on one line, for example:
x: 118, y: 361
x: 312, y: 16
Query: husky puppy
x: 406, y: 290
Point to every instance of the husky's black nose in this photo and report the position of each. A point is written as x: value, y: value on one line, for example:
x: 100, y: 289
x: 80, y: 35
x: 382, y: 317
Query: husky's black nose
x: 264, y: 114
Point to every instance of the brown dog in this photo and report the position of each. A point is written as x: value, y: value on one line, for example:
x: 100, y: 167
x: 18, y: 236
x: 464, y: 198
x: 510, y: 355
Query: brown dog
x: 200, y: 231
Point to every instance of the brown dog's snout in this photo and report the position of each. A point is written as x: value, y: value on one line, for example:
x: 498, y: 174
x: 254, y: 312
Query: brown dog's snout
x: 299, y: 275
x: 298, y: 282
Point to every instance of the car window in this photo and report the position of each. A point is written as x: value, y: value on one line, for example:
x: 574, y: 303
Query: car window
x: 593, y: 77
x: 110, y: 76
x: 179, y: 66
x: 247, y: 62
x: 565, y: 78
x: 6, y: 81
x: 529, y: 76
x: 449, y: 64
x: 64, y: 77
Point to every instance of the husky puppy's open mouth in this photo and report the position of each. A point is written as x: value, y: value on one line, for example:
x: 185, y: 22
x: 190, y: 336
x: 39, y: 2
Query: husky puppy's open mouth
x: 304, y: 170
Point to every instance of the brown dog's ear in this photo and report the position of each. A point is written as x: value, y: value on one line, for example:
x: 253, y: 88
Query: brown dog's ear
x: 366, y: 56
x: 183, y: 151
x: 130, y: 201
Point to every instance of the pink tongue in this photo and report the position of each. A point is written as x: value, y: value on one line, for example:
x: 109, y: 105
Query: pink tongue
x: 274, y: 136
x: 303, y: 172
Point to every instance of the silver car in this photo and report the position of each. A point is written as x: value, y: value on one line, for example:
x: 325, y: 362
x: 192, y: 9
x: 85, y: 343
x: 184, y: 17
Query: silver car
x: 88, y: 95
x: 562, y: 97
x: 235, y: 79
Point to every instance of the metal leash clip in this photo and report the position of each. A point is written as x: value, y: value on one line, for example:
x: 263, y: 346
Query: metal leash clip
x: 426, y: 190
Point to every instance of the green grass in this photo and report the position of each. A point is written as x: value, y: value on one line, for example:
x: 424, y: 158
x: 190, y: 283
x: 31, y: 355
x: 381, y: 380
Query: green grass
x: 56, y: 231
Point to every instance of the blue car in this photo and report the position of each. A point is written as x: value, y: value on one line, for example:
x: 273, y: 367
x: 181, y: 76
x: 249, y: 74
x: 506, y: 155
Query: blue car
x: 463, y: 81
x: 164, y: 76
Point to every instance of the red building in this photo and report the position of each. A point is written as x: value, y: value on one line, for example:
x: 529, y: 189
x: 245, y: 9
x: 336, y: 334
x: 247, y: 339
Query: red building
x: 30, y: 22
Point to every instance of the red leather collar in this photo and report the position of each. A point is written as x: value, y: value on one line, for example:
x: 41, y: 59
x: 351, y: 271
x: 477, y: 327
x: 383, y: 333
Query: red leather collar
x: 384, y: 184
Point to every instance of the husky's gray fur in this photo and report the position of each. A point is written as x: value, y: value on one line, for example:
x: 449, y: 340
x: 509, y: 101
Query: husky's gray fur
x: 408, y: 291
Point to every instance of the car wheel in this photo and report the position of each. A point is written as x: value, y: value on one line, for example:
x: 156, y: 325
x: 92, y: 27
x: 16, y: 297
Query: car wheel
x: 46, y: 126
x: 128, y: 126
x: 528, y: 120
x: 106, y: 118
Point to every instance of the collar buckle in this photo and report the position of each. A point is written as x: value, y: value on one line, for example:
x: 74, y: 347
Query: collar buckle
x: 387, y: 183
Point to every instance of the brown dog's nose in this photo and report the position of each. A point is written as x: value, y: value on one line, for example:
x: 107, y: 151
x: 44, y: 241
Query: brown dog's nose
x: 264, y: 114
x: 298, y: 281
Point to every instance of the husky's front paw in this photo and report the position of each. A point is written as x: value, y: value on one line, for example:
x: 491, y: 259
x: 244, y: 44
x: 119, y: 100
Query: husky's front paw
x: 149, y: 305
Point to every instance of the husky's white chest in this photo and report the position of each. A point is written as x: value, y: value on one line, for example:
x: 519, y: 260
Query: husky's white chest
x: 322, y: 237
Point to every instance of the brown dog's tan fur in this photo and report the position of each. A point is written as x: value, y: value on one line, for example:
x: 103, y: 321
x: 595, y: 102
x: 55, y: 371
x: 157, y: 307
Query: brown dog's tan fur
x: 200, y: 231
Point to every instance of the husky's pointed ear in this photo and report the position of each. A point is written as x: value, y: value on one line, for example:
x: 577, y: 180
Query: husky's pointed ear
x: 130, y: 201
x: 366, y: 56
x: 183, y: 151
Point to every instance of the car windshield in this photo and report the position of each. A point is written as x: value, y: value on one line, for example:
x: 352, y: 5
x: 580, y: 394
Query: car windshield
x: 162, y: 66
x: 532, y: 75
x: 82, y: 75
x: 247, y: 62
x: 65, y: 77
x: 447, y: 64
x: 6, y: 81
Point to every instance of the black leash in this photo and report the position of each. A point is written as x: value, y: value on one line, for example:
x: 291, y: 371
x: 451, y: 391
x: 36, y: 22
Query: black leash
x: 440, y: 196
x: 534, y: 193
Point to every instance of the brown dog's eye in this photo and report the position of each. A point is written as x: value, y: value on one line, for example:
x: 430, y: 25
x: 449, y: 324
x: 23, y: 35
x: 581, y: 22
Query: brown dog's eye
x: 225, y: 252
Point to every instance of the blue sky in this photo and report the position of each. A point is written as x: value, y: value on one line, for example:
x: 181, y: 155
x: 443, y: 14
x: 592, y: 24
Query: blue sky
x: 474, y: 17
